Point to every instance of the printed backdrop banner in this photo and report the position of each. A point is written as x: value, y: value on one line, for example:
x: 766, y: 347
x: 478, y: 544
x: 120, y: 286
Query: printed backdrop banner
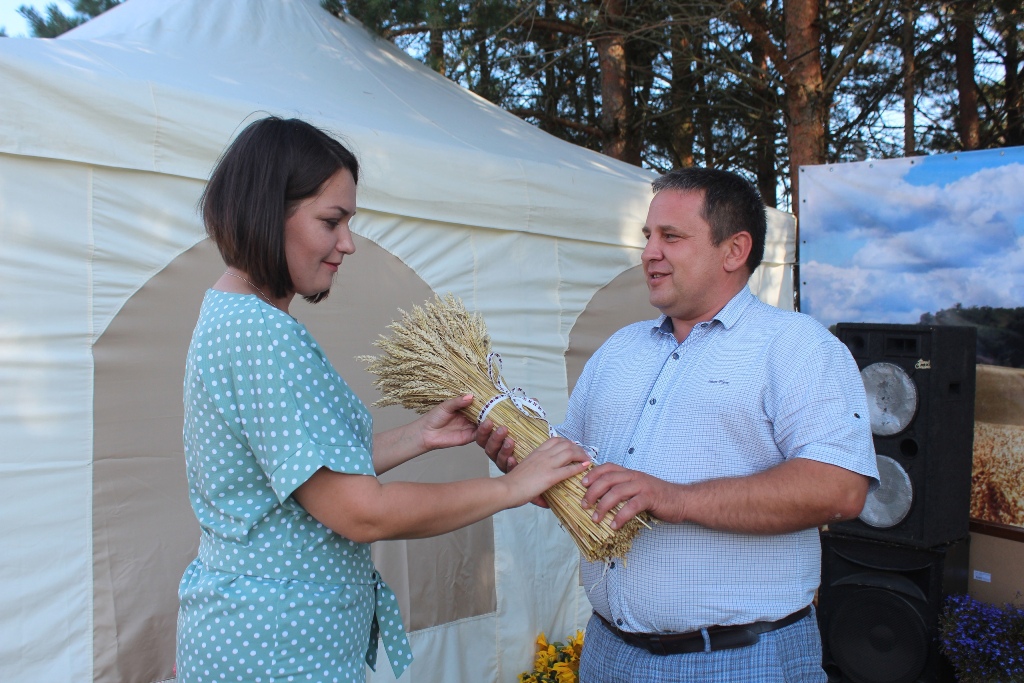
x: 932, y: 240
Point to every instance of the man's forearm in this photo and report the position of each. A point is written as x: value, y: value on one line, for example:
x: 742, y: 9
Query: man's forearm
x: 798, y: 494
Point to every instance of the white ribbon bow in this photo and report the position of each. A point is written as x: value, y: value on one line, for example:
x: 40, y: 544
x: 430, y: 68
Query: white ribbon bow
x: 529, y: 407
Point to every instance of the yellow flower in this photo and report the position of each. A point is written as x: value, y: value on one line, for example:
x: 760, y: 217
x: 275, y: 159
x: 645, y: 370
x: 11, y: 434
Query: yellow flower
x: 564, y: 673
x: 555, y: 662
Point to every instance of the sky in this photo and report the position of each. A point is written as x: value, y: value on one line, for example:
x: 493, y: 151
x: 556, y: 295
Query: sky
x: 886, y: 241
x: 14, y: 23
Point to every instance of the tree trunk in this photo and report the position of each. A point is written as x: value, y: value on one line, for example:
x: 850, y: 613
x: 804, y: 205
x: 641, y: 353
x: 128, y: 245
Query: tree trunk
x: 547, y: 96
x: 967, y: 88
x: 703, y: 116
x: 1014, y: 103
x: 806, y: 113
x: 683, y: 135
x: 763, y: 129
x: 485, y: 85
x: 615, y: 86
x: 435, y: 54
x: 909, y: 106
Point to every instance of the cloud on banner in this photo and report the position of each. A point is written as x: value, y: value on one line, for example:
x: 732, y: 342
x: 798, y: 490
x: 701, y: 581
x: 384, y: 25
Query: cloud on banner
x: 886, y: 241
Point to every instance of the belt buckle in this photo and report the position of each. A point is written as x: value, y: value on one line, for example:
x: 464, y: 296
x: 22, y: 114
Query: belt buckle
x: 732, y: 638
x: 655, y: 646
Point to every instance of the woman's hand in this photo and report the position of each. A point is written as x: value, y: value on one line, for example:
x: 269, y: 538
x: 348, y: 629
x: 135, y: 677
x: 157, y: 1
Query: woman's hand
x: 500, y: 448
x: 553, y: 461
x: 444, y: 426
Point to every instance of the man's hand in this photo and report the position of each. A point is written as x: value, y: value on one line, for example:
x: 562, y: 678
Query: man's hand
x: 496, y: 444
x: 608, y: 485
x: 794, y: 495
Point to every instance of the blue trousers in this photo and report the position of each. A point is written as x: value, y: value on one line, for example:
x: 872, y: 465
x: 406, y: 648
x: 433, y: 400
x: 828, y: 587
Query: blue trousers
x: 788, y: 655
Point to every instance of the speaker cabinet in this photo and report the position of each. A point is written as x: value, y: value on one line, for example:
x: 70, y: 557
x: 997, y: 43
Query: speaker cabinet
x: 920, y: 383
x: 879, y: 605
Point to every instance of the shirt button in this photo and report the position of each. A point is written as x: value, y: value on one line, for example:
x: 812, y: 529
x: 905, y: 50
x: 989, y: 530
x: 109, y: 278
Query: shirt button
x: 611, y: 566
x: 619, y: 622
x: 675, y: 356
x: 630, y: 451
x: 653, y: 401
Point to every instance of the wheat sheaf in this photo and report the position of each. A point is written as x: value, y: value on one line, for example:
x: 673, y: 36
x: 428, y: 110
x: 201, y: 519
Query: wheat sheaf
x: 439, y: 351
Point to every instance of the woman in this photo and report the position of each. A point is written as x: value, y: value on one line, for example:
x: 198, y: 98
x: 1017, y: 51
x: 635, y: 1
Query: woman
x: 280, y: 454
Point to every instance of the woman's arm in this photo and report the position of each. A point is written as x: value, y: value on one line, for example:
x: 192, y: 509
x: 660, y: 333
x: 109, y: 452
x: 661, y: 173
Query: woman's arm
x: 443, y: 427
x: 363, y: 509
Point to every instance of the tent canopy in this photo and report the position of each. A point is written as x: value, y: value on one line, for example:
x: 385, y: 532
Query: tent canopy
x: 160, y: 86
x: 107, y: 135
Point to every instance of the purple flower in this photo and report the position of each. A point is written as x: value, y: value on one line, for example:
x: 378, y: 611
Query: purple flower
x: 983, y: 642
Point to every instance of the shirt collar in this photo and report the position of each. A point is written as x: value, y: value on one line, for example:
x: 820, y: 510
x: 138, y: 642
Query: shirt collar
x: 728, y: 316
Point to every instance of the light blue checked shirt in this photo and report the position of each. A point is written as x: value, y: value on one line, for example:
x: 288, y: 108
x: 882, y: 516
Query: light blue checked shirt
x: 744, y: 392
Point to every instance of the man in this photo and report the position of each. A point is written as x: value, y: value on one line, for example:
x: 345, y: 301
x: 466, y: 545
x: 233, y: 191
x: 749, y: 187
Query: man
x: 742, y: 428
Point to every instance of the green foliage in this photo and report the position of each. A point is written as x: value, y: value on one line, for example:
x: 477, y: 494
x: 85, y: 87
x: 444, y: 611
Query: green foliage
x: 1000, y: 331
x: 700, y: 88
x: 55, y: 22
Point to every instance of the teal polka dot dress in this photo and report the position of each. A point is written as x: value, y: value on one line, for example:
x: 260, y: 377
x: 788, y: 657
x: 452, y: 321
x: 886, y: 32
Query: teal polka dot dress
x: 274, y: 595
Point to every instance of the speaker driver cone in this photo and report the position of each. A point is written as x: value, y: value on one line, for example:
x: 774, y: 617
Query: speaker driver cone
x: 877, y: 636
x: 892, y: 397
x: 889, y: 504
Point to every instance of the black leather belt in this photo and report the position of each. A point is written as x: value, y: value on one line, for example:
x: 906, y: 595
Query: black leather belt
x: 721, y: 637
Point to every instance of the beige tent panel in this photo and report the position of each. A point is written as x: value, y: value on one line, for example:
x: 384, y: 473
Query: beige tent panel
x: 143, y: 528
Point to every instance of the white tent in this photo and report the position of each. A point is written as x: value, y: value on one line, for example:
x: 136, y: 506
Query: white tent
x: 106, y: 137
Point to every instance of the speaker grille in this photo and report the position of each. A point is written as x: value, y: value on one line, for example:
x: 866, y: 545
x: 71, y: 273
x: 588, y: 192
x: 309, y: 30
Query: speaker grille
x: 878, y: 637
x: 919, y: 381
x: 887, y: 505
x: 879, y: 605
x: 892, y: 397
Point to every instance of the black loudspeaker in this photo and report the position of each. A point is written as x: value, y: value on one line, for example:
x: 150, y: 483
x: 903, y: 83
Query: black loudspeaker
x: 879, y: 605
x: 920, y: 384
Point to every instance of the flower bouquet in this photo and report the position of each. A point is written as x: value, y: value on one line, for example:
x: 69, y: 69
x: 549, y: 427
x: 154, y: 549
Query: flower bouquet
x: 555, y: 662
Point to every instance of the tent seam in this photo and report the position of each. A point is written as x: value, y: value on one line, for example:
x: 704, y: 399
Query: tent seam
x: 142, y: 283
x: 91, y: 327
x: 157, y: 121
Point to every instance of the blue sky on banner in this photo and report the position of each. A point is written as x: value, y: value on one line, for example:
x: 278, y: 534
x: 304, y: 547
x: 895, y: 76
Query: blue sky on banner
x: 886, y: 241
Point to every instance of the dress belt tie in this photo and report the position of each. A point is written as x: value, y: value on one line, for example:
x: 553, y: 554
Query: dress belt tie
x: 387, y: 624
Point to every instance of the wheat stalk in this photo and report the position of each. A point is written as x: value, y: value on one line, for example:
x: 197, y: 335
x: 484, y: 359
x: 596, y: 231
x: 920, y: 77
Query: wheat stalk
x: 440, y: 351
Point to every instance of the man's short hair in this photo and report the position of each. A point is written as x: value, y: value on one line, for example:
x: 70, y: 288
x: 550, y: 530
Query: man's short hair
x: 257, y: 183
x: 731, y: 205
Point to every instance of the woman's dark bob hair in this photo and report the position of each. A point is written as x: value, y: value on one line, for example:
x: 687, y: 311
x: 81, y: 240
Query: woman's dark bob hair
x: 263, y: 174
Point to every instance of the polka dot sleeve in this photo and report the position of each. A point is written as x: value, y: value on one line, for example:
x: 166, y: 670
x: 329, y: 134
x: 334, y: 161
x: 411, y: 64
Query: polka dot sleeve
x: 293, y: 412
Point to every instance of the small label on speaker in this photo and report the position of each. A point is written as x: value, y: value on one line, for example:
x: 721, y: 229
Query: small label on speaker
x: 982, y: 576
